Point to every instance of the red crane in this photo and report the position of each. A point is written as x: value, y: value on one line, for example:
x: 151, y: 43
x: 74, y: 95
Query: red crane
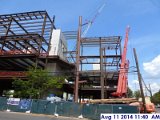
x: 123, y: 73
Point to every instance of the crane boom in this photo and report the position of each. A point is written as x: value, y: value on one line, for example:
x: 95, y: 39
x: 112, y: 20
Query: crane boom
x: 90, y: 22
x: 123, y: 73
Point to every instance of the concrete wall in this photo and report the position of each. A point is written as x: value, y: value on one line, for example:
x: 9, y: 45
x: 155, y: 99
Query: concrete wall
x: 54, y: 68
x: 58, y: 44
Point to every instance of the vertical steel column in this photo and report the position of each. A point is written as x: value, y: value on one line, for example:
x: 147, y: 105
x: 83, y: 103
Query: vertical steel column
x: 7, y: 31
x: 36, y: 63
x: 44, y: 24
x: 40, y: 46
x: 105, y: 79
x: 9, y: 25
x: 140, y: 81
x: 81, y: 54
x: 46, y: 62
x: 52, y: 27
x: 80, y: 92
x: 78, y: 60
x: 101, y: 71
x: 43, y: 30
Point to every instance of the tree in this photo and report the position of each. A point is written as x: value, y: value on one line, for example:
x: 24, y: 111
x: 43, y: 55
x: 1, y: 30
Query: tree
x: 156, y: 98
x: 137, y: 94
x: 38, y: 83
x: 129, y: 93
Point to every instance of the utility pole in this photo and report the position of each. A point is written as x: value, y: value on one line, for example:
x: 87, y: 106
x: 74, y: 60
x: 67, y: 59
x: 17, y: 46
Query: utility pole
x: 77, y: 61
x: 147, y: 88
x: 140, y: 80
x: 150, y: 91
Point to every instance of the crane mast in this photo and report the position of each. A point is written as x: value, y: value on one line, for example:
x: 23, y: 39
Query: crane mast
x: 123, y: 73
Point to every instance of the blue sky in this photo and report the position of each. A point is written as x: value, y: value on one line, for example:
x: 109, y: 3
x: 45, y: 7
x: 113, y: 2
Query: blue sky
x: 143, y: 16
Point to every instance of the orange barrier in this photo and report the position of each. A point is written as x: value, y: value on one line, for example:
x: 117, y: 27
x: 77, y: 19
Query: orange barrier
x: 150, y: 108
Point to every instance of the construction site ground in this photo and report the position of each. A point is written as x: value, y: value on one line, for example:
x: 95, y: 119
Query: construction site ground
x: 25, y: 116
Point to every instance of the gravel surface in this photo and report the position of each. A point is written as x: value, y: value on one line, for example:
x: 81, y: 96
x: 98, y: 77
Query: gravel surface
x: 157, y: 110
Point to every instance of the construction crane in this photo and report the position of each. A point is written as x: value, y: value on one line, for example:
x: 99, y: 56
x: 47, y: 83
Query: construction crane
x: 123, y: 73
x: 90, y: 22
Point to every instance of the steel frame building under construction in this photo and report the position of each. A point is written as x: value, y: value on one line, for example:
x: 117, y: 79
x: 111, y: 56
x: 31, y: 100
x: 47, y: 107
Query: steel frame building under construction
x: 100, y: 72
x: 27, y: 40
x: 105, y: 62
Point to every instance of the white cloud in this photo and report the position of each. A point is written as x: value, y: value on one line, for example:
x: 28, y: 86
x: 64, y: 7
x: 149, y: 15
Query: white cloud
x: 135, y: 81
x: 154, y: 87
x: 133, y: 85
x: 153, y: 67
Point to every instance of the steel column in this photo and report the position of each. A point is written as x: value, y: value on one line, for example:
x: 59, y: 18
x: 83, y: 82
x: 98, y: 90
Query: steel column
x: 44, y: 25
x: 7, y: 31
x: 78, y: 60
x: 101, y: 71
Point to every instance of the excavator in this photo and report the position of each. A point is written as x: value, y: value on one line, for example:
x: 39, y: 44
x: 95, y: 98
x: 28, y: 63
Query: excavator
x: 122, y: 85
